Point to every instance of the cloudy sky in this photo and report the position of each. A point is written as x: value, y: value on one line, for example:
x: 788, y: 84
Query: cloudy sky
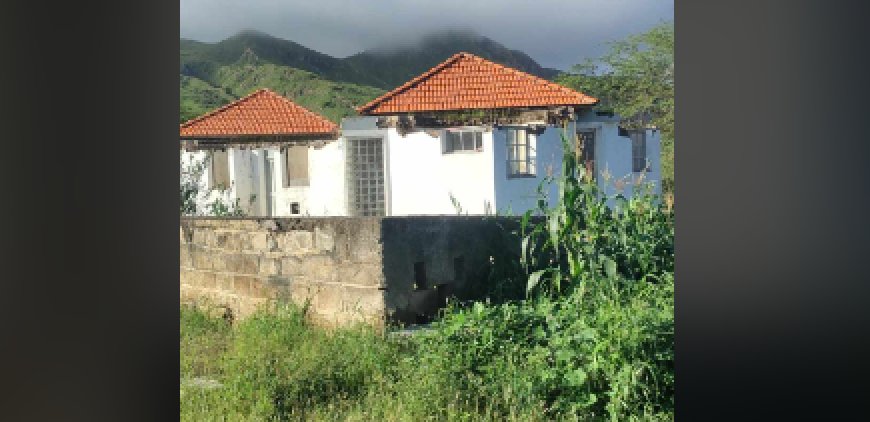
x: 554, y: 33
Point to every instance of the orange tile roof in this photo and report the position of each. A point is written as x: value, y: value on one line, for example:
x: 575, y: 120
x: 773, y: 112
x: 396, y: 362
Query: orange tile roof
x: 465, y: 81
x: 263, y: 112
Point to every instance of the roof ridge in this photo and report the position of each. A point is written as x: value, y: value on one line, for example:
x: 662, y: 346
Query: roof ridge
x: 263, y: 111
x: 545, y: 84
x: 303, y: 109
x: 551, y: 83
x: 437, y: 68
x: 224, y: 107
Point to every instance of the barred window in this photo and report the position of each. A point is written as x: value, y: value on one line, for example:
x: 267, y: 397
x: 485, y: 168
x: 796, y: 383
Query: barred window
x: 638, y: 151
x: 521, y: 153
x: 462, y: 140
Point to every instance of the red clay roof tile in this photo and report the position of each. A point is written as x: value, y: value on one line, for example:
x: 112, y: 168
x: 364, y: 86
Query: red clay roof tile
x: 263, y: 112
x: 465, y: 81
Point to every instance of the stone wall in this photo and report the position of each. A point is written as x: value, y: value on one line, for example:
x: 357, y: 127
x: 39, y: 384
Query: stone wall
x: 348, y: 270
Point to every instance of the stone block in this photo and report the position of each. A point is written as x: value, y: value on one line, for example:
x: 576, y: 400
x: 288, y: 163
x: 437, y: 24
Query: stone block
x: 295, y: 241
x: 207, y: 279
x: 318, y: 268
x: 185, y: 258
x: 223, y: 282
x: 242, y: 284
x: 261, y: 241
x: 202, y: 260
x: 292, y: 265
x: 218, y: 261
x: 200, y: 236
x: 260, y: 289
x: 324, y: 241
x: 270, y: 266
x: 360, y: 274
x: 242, y: 263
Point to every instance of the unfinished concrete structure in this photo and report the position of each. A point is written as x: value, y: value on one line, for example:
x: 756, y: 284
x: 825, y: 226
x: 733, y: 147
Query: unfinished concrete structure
x: 348, y: 270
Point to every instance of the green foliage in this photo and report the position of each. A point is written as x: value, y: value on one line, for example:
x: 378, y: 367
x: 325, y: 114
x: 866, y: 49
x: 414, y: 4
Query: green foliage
x: 193, y: 192
x: 332, y: 100
x: 582, y: 237
x: 635, y: 78
x: 198, y: 97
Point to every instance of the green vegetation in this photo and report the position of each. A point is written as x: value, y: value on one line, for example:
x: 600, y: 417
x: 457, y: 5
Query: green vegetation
x: 197, y: 198
x: 590, y: 339
x: 332, y: 100
x: 635, y: 78
x: 198, y: 97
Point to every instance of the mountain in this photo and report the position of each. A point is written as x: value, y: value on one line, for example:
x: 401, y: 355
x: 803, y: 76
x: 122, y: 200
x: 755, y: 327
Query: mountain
x: 382, y: 67
x: 214, y: 74
x: 394, y: 66
x: 202, y: 60
x: 332, y: 100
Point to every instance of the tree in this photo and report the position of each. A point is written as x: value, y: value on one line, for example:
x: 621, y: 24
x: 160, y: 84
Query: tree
x: 193, y: 192
x: 635, y: 79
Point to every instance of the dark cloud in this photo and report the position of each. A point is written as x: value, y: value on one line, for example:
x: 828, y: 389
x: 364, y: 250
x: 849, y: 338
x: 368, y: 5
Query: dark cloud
x: 554, y: 33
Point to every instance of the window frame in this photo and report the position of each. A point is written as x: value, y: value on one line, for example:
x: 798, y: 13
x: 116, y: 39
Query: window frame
x: 212, y: 176
x: 635, y: 152
x: 287, y: 181
x: 476, y: 140
x: 512, y: 148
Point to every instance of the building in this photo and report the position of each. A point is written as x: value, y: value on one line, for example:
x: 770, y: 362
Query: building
x: 468, y: 136
x: 273, y: 156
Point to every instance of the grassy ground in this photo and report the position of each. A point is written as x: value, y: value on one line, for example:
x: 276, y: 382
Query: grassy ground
x: 603, y: 354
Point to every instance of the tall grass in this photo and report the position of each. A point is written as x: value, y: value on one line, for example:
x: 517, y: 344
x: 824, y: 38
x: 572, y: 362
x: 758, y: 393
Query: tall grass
x: 592, y: 340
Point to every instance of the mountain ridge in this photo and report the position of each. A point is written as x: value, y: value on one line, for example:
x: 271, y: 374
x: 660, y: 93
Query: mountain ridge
x: 384, y: 67
x: 214, y: 74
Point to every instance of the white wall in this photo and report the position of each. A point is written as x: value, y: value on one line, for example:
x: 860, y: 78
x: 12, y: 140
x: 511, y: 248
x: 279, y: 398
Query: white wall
x: 421, y: 177
x: 613, y: 155
x: 322, y: 197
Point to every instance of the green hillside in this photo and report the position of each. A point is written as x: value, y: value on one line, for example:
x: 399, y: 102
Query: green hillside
x: 384, y: 68
x: 332, y: 100
x: 203, y: 60
x: 248, y: 73
x: 198, y: 97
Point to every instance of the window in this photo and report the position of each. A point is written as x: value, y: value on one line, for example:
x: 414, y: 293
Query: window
x: 586, y: 150
x: 219, y: 169
x: 295, y: 161
x: 463, y: 140
x: 521, y: 153
x: 638, y: 151
x: 294, y: 208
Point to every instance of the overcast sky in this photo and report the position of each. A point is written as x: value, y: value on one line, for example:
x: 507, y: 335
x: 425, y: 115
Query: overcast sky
x: 555, y: 33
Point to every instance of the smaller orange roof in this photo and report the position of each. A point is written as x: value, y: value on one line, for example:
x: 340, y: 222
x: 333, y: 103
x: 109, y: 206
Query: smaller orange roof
x: 465, y: 81
x: 263, y: 112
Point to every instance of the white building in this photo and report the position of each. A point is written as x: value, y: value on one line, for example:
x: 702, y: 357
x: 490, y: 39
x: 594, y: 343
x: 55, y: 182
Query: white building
x: 469, y: 135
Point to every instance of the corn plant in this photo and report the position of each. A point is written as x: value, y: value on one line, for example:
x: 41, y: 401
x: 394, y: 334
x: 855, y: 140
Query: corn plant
x: 581, y: 237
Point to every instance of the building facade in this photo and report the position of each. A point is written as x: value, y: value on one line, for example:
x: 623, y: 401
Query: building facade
x: 469, y: 136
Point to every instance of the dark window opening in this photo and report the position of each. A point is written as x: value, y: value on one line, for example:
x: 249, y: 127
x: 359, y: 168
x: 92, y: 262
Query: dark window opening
x: 458, y: 268
x: 638, y: 151
x: 419, y: 275
x: 294, y: 208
